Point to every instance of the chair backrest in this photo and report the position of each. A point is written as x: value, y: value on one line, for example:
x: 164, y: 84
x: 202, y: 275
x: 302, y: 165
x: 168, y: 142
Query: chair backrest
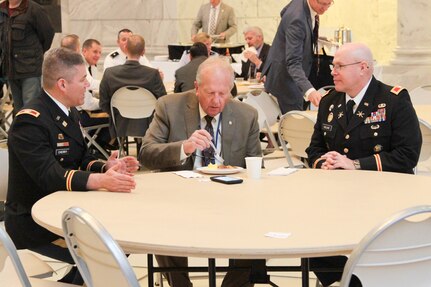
x: 4, y: 167
x: 133, y: 102
x: 267, y: 108
x: 8, y: 254
x: 395, y: 253
x: 323, y: 90
x: 99, y: 258
x: 296, y: 128
x: 426, y: 140
x: 421, y: 95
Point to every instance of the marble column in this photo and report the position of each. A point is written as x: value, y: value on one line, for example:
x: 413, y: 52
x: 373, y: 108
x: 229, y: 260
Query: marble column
x: 414, y: 38
x: 411, y: 65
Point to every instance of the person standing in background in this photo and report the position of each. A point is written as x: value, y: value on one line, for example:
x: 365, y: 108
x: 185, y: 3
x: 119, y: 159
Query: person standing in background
x: 25, y: 34
x: 217, y: 19
x: 290, y: 60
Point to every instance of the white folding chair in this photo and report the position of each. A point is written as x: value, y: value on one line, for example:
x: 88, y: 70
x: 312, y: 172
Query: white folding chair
x: 323, y: 90
x: 132, y: 102
x: 426, y: 140
x: 395, y: 253
x: 34, y: 266
x: 99, y: 258
x: 13, y: 272
x: 92, y: 138
x: 4, y: 114
x: 421, y: 95
x: 296, y: 128
x: 268, y: 113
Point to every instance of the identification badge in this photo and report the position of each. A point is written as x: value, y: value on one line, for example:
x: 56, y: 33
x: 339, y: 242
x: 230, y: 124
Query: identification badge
x: 326, y: 128
x: 62, y: 151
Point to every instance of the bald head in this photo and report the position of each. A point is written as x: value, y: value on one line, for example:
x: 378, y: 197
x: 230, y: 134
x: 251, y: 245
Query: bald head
x: 71, y: 42
x: 358, y: 52
x: 352, y: 68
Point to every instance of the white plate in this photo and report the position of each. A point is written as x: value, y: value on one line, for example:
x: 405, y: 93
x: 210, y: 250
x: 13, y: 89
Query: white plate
x: 205, y: 169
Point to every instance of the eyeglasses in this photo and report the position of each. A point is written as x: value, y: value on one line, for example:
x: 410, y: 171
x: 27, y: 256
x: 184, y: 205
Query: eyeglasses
x: 338, y: 67
x: 325, y: 4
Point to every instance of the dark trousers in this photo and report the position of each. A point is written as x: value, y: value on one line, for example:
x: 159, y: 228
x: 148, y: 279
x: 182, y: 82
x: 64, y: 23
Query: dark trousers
x: 327, y: 278
x: 104, y: 136
x: 182, y: 279
x: 61, y: 254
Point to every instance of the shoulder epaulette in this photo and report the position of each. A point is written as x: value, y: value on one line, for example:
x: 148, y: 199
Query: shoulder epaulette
x: 114, y: 54
x: 31, y: 112
x: 327, y: 92
x: 396, y: 90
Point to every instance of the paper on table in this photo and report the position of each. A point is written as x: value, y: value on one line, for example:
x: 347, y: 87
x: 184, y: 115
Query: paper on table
x: 282, y: 171
x: 188, y: 174
x: 279, y: 235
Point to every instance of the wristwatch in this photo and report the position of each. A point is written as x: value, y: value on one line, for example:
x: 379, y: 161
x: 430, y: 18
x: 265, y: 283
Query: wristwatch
x: 357, y: 164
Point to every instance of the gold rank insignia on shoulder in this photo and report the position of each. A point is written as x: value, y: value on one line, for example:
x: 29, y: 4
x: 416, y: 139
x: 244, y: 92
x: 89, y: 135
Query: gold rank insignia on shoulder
x: 30, y: 112
x: 396, y: 90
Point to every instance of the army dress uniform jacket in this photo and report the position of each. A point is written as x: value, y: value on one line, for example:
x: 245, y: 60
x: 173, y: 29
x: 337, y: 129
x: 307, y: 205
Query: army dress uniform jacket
x: 47, y: 153
x: 383, y: 134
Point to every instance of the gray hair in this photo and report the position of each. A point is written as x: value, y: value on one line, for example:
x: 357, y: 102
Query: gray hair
x: 256, y: 30
x: 220, y: 62
x: 59, y: 63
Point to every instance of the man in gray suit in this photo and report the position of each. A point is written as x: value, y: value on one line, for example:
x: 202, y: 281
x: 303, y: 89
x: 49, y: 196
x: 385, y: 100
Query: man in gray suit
x: 132, y: 73
x: 176, y: 138
x: 217, y: 19
x: 290, y: 60
x: 186, y: 75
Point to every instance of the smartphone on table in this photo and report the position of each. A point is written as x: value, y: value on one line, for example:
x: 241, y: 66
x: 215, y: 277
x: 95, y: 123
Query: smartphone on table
x: 226, y: 179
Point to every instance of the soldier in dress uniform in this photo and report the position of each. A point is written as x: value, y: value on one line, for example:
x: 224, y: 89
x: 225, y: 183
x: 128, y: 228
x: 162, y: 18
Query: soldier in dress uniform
x: 378, y: 130
x: 47, y: 153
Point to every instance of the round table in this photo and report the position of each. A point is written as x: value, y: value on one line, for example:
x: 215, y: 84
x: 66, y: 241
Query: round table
x: 326, y: 212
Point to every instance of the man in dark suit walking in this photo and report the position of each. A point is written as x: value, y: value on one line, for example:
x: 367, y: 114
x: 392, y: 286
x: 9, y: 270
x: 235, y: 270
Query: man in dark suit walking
x: 290, y: 59
x: 132, y: 73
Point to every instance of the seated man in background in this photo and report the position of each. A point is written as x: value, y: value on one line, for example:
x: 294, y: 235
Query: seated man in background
x: 119, y: 56
x: 185, y: 76
x: 47, y: 153
x: 179, y: 139
x: 71, y: 42
x: 132, y: 73
x: 90, y: 111
x: 362, y: 124
x: 252, y: 68
x: 203, y: 38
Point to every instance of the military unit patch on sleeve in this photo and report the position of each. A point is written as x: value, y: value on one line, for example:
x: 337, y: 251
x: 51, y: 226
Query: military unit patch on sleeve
x: 30, y: 112
x: 396, y: 90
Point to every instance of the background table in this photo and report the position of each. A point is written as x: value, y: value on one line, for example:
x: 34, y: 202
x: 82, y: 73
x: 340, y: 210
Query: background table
x: 176, y: 50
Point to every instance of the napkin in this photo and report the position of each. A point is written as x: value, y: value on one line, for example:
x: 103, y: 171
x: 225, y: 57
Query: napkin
x: 249, y: 49
x: 282, y: 171
x: 188, y: 174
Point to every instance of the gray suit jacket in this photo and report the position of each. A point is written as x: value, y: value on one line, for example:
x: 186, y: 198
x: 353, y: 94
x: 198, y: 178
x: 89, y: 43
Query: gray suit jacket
x: 290, y: 58
x: 177, y: 117
x: 186, y: 75
x: 226, y: 21
x: 132, y: 73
